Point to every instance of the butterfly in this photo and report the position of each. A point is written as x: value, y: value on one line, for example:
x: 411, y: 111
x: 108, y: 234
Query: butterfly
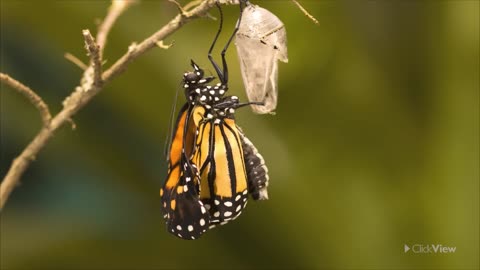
x: 212, y: 166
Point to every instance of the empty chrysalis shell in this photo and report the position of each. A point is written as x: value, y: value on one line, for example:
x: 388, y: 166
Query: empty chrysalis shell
x: 261, y: 41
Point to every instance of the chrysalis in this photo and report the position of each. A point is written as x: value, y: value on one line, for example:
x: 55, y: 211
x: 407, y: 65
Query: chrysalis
x: 261, y: 40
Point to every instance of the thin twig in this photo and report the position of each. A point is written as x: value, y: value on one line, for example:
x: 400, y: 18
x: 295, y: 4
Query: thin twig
x: 114, y: 11
x: 210, y: 16
x: 179, y: 7
x: 306, y: 12
x: 72, y: 58
x: 87, y: 90
x: 135, y: 51
x: 191, y: 4
x: 72, y: 123
x: 95, y: 60
x: 35, y: 99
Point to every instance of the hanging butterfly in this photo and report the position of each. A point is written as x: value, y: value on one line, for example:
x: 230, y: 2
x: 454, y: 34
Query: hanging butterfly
x: 184, y: 213
x: 195, y: 195
x: 261, y: 41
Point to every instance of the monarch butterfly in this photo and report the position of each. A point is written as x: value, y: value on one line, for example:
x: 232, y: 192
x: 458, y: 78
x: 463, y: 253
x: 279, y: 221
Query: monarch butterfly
x: 195, y: 198
x: 208, y: 178
x: 261, y: 41
x: 185, y: 215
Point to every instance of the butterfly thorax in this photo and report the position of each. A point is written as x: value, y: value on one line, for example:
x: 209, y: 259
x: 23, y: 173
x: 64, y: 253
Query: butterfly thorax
x: 197, y: 90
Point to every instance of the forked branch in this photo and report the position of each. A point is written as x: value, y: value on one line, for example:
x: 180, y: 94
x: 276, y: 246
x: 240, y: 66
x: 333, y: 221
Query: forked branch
x: 92, y: 81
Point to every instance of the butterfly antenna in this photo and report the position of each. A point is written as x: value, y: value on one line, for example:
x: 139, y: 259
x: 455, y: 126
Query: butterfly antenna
x: 168, y: 139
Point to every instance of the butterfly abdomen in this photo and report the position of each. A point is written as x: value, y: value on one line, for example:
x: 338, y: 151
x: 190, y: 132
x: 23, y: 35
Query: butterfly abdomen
x: 257, y: 171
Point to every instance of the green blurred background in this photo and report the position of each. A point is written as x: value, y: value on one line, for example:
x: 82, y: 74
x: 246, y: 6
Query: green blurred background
x: 375, y: 143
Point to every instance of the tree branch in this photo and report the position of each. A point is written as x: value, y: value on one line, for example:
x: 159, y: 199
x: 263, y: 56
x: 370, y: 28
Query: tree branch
x: 72, y: 58
x: 135, y: 50
x: 115, y: 10
x: 89, y: 86
x: 30, y: 95
x: 95, y: 60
